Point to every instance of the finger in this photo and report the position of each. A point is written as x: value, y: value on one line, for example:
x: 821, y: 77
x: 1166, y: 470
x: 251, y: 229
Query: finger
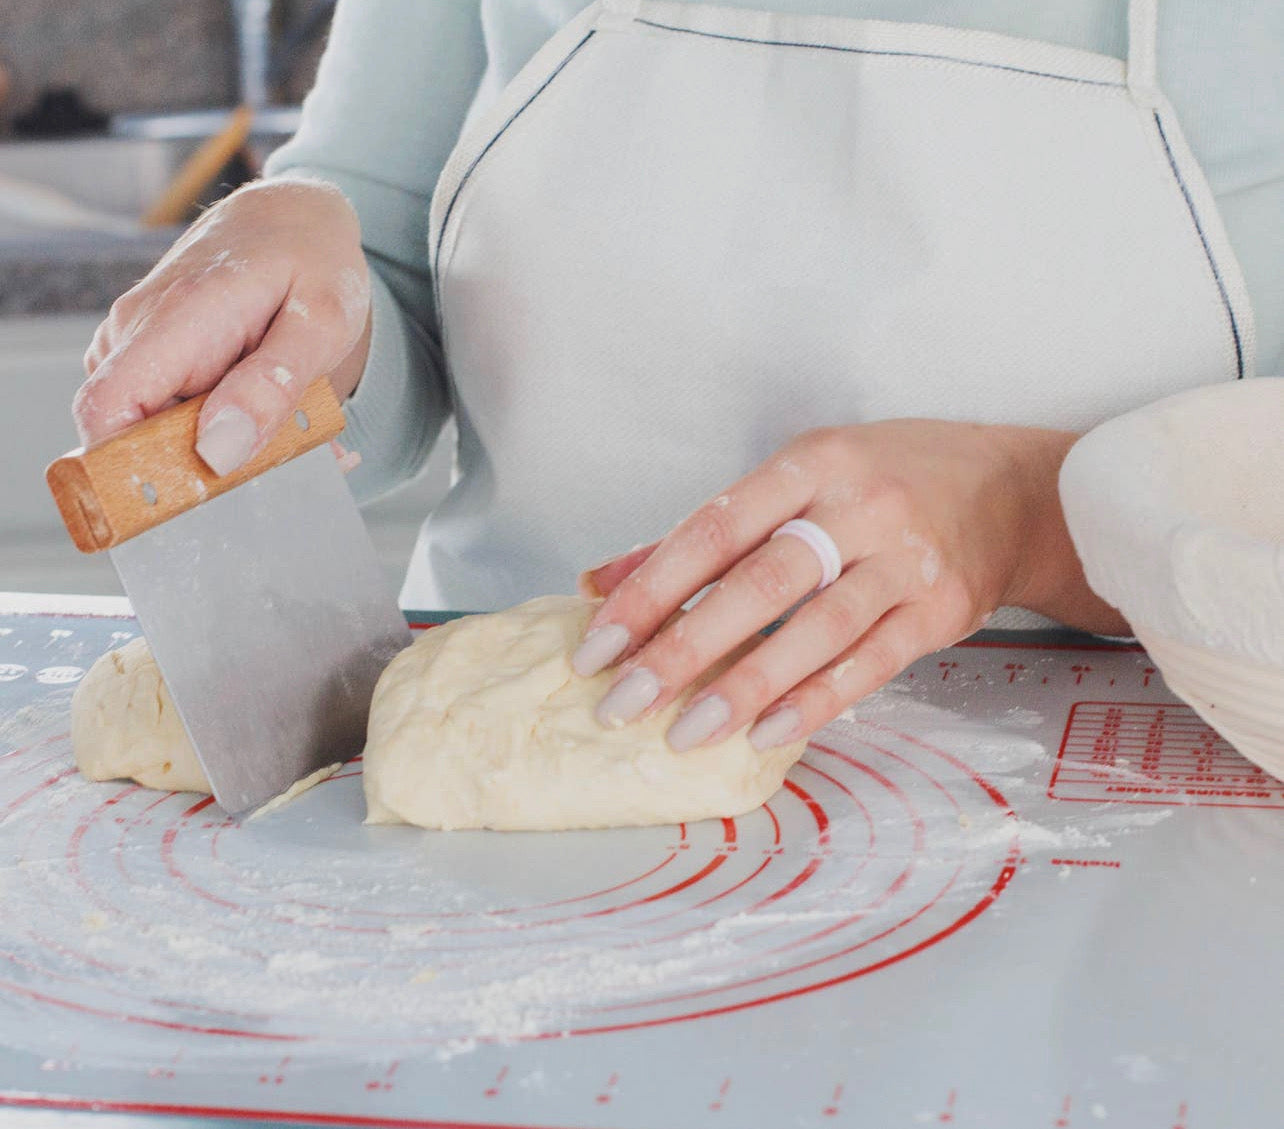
x: 701, y: 549
x: 260, y: 392
x: 112, y: 329
x: 755, y: 592
x: 603, y: 579
x: 97, y: 349
x: 820, y: 630
x: 903, y: 635
x: 347, y: 460
x: 181, y: 348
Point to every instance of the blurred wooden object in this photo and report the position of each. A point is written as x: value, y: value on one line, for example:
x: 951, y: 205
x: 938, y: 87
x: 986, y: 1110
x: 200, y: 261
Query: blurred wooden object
x: 199, y: 169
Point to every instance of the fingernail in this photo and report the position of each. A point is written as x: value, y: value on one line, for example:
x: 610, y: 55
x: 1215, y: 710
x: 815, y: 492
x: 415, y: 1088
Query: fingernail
x: 775, y: 729
x: 227, y: 441
x: 698, y: 723
x: 628, y: 698
x: 601, y: 647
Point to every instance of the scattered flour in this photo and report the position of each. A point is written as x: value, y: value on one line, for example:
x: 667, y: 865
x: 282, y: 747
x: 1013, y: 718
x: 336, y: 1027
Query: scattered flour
x: 300, y: 963
x: 1138, y: 1068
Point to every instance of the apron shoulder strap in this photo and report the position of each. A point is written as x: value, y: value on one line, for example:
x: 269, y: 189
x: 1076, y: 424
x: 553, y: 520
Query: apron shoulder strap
x: 1143, y: 19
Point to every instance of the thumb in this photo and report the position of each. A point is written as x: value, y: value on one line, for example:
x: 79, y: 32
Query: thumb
x: 260, y: 392
x: 603, y: 579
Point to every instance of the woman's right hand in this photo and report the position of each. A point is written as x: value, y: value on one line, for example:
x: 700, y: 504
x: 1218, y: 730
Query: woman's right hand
x: 264, y: 293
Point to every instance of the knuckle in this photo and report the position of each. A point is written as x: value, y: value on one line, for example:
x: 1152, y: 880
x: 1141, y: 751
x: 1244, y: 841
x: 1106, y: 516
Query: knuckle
x: 754, y: 686
x: 633, y: 604
x: 837, y: 619
x: 767, y: 576
x: 673, y: 656
x: 82, y: 403
x: 893, y: 501
x: 824, y: 701
x: 882, y: 659
x: 955, y: 595
x: 88, y: 402
x: 825, y: 443
x: 326, y: 307
x: 122, y: 310
x: 275, y: 381
x: 714, y: 530
x: 180, y: 288
x: 93, y: 355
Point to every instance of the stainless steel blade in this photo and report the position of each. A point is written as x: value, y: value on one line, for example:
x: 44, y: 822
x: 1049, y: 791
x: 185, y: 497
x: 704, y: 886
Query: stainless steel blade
x: 271, y: 621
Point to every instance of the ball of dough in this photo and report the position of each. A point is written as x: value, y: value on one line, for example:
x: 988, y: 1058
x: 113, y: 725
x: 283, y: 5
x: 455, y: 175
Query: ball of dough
x: 124, y: 725
x: 482, y: 723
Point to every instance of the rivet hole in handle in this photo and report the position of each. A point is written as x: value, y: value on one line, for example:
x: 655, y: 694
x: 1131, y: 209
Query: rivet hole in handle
x: 150, y: 473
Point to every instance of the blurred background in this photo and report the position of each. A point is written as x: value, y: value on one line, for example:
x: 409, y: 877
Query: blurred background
x: 119, y: 120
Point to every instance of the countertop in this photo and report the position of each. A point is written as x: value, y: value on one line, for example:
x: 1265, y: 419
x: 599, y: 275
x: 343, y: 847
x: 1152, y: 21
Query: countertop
x: 74, y: 271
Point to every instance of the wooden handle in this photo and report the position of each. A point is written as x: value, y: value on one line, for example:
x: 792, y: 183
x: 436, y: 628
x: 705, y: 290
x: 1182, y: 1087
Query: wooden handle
x: 199, y: 169
x: 150, y: 473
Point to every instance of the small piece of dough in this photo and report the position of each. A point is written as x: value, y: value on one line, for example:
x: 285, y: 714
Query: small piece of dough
x: 124, y: 725
x: 482, y: 723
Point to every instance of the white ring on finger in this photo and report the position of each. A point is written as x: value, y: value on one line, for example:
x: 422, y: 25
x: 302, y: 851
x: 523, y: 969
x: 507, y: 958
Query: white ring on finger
x: 820, y: 543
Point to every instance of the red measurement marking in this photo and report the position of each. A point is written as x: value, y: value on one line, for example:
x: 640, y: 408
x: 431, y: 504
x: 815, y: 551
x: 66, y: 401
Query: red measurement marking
x: 275, y: 1078
x: 493, y: 1090
x: 1180, y: 1123
x: 385, y: 1083
x: 1063, y: 1122
x: 1110, y: 863
x: 947, y: 1114
x: 716, y: 1104
x: 832, y: 1109
x: 1148, y: 673
x: 608, y: 1091
x: 1079, y: 672
x: 946, y: 668
x: 1154, y: 753
x: 1013, y: 670
x: 818, y: 811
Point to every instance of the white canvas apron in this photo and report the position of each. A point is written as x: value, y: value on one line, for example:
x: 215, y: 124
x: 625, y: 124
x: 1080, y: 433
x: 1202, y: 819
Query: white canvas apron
x: 687, y: 233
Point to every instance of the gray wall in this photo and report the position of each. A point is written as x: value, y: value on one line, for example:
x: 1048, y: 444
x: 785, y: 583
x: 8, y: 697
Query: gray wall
x: 129, y: 55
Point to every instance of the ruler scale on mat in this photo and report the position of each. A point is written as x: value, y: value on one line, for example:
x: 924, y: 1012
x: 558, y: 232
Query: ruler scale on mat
x: 1022, y: 887
x: 259, y: 593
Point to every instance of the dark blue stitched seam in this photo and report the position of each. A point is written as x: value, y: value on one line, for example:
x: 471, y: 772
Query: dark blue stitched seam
x: 1172, y: 163
x: 1208, y: 251
x: 445, y: 223
x: 872, y: 51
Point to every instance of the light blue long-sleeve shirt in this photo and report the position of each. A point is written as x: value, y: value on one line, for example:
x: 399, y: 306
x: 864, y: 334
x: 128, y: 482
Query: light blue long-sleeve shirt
x: 400, y: 77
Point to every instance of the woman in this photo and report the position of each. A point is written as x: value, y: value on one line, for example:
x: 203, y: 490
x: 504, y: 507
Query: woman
x: 856, y: 283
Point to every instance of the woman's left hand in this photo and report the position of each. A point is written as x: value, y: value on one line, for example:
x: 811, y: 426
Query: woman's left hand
x: 937, y: 524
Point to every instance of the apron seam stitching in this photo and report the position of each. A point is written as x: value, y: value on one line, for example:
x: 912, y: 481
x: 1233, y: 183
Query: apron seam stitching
x: 1208, y: 250
x: 463, y: 180
x: 882, y: 51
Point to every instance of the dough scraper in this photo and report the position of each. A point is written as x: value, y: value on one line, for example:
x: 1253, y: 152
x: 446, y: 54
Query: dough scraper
x: 259, y: 592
